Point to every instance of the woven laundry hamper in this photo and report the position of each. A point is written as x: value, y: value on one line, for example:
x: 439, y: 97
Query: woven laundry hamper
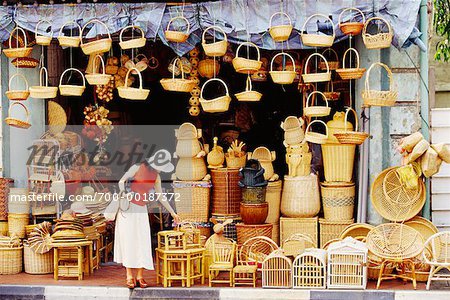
x: 330, y: 229
x: 36, y: 263
x: 338, y: 161
x: 307, y: 226
x: 226, y: 193
x: 273, y: 197
x: 11, y: 260
x: 193, y: 204
x: 338, y: 201
x: 300, y: 197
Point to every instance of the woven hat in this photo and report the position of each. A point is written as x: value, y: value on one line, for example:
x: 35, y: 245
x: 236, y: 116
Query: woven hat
x: 161, y: 161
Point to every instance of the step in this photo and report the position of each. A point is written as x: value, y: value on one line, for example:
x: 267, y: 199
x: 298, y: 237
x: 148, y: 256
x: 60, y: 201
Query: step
x: 440, y: 202
x: 440, y: 117
x: 440, y: 185
x: 440, y: 135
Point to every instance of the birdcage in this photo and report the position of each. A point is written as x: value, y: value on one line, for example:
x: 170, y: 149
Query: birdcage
x: 310, y: 269
x: 277, y: 271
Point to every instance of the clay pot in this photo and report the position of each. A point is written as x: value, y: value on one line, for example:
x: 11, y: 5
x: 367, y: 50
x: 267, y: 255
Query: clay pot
x: 254, y: 213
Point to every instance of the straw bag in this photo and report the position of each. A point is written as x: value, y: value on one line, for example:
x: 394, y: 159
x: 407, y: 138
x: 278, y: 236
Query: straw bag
x: 43, y: 40
x: 17, y: 95
x: 15, y: 122
x: 177, y: 36
x: 265, y: 158
x: 331, y: 95
x: 247, y: 65
x: 293, y: 130
x: 218, y: 48
x: 97, y: 46
x: 316, y: 77
x: 178, y: 84
x: 351, y: 28
x: 280, y: 33
x: 332, y: 64
x: 248, y: 95
x: 315, y: 137
x: 208, y: 68
x: 133, y: 42
x: 69, y: 41
x: 95, y: 78
x: 285, y: 76
x: 133, y: 93
x: 317, y: 40
x: 379, y: 98
x: 19, y: 51
x: 351, y: 137
x: 443, y: 150
x: 69, y: 89
x: 218, y: 104
x: 351, y: 73
x: 316, y: 111
x: 380, y: 39
x: 430, y: 163
x: 300, y: 197
x: 43, y: 91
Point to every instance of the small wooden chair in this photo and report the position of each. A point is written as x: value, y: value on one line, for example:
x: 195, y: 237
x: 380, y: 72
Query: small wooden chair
x: 223, y: 261
x: 439, y: 259
x: 244, y: 273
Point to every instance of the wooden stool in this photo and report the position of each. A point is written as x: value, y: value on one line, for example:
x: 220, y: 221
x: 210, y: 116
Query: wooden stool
x: 171, y: 240
x: 72, y: 259
x: 96, y: 244
x: 403, y: 264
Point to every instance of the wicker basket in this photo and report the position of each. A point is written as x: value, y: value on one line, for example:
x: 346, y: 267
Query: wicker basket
x: 316, y: 77
x: 379, y: 98
x: 43, y: 91
x: 5, y: 185
x: 134, y: 42
x: 4, y: 228
x: 373, y: 271
x: 273, y: 197
x: 285, y: 76
x: 351, y: 27
x: 188, y: 148
x: 208, y: 68
x: 380, y: 39
x: 246, y: 232
x: 191, y: 168
x: 43, y: 40
x: 71, y: 90
x: 358, y: 231
x: 95, y: 78
x: 351, y: 73
x: 97, y: 46
x: 11, y: 260
x: 332, y: 64
x: 316, y: 111
x: 15, y: 122
x: 69, y: 41
x: 351, y: 137
x: 331, y: 95
x: 178, y: 84
x: 17, y: 95
x: 133, y: 93
x: 265, y: 158
x: 188, y: 131
x: 247, y: 65
x: 338, y: 162
x: 317, y: 40
x: 177, y: 36
x: 293, y: 130
x: 234, y: 162
x: 300, y: 197
x: 17, y: 223
x: 338, y: 201
x: 194, y: 200
x: 36, y: 263
x: 248, y: 95
x: 226, y: 193
x: 218, y: 104
x: 218, y: 48
x: 291, y: 226
x: 25, y: 62
x: 280, y: 33
x: 330, y: 229
x: 315, y: 137
x: 19, y: 51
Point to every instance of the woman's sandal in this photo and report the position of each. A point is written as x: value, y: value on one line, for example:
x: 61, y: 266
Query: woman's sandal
x: 142, y: 283
x: 131, y: 283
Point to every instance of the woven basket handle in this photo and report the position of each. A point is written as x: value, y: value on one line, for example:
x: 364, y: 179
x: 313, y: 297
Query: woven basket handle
x: 72, y: 69
x: 136, y: 59
x: 321, y: 56
x: 139, y: 74
x: 94, y: 21
x: 281, y: 54
x: 24, y: 37
x: 27, y: 113
x: 346, y: 118
x: 102, y: 62
x: 282, y: 14
x: 316, y: 93
x: 352, y: 9
x: 332, y: 51
x: 389, y: 73
x: 248, y: 84
x: 317, y: 121
x: 214, y: 28
x: 214, y: 79
x: 375, y: 19
x: 36, y: 33
x: 178, y: 18
x: 18, y: 75
x: 345, y: 56
x: 174, y: 63
x: 317, y: 15
x: 251, y: 45
x: 43, y: 76
x: 130, y: 27
x: 70, y: 22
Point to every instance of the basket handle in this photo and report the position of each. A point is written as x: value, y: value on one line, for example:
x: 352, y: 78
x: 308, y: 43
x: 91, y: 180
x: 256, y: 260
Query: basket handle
x: 94, y: 21
x: 280, y: 13
x: 43, y: 72
x: 182, y: 18
x: 37, y: 27
x: 352, y: 9
x: 24, y: 36
x: 374, y: 19
x: 139, y: 74
x: 67, y: 23
x: 102, y: 62
x: 317, y: 15
x: 318, y: 121
x: 174, y: 63
x: 314, y: 93
x: 279, y: 54
x: 215, y: 28
x: 248, y: 44
x: 130, y: 27
x: 18, y: 75
x: 346, y: 118
x: 389, y: 73
x: 321, y: 56
x: 332, y: 51
x: 27, y: 113
x: 72, y: 69
x: 345, y: 56
x: 214, y: 79
x: 248, y: 84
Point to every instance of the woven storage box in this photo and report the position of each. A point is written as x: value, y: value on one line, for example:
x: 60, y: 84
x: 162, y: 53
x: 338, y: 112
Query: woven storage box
x: 18, y: 202
x: 273, y: 197
x: 4, y: 228
x: 338, y: 201
x: 5, y: 185
x: 307, y: 226
x: 193, y: 204
x: 17, y: 223
x: 330, y: 230
x: 301, y: 196
x: 246, y: 232
x: 338, y: 162
x: 226, y: 193
x: 11, y: 260
x: 36, y: 263
x: 229, y: 230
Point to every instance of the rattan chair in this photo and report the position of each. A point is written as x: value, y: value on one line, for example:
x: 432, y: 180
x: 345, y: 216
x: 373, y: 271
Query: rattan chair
x: 244, y: 273
x: 223, y: 261
x: 439, y: 244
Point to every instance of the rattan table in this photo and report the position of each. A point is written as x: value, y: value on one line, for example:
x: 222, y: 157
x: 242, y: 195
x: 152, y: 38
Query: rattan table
x: 63, y: 253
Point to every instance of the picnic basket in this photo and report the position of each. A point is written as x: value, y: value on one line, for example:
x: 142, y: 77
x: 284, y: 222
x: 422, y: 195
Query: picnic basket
x: 43, y: 40
x: 24, y: 51
x: 96, y: 46
x: 351, y: 73
x: 43, y: 91
x: 247, y: 65
x: 284, y: 76
x: 175, y: 35
x: 69, y: 89
x: 379, y: 98
x: 311, y: 110
x: 317, y: 40
x: 132, y: 93
x: 69, y: 41
x: 132, y: 43
x: 16, y: 122
x: 178, y: 84
x: 379, y: 40
x: 218, y: 104
x: 351, y: 137
x: 17, y: 95
x: 316, y: 77
x: 217, y: 48
x: 282, y: 32
x: 95, y: 78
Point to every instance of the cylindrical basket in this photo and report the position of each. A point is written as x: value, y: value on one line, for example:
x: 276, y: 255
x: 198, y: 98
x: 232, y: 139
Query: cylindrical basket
x: 194, y: 200
x: 331, y: 229
x: 5, y: 185
x: 338, y: 201
x: 36, y: 263
x: 300, y: 197
x: 226, y: 193
x: 273, y: 197
x: 246, y: 232
x: 17, y: 223
x: 191, y: 168
x: 11, y: 260
x: 338, y: 162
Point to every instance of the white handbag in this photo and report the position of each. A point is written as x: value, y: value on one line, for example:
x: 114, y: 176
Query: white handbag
x: 117, y: 204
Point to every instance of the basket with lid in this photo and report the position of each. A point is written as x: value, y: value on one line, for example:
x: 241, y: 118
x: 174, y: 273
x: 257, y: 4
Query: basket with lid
x: 177, y: 36
x: 178, y: 84
x: 380, y: 39
x: 95, y: 78
x: 42, y: 39
x: 379, y: 98
x: 281, y: 32
x: 248, y: 95
x: 17, y: 95
x: 69, y: 89
x: 247, y: 65
x: 218, y: 104
x: 132, y: 43
x: 351, y: 73
x: 316, y: 77
x: 317, y: 40
x: 352, y: 27
x: 43, y: 91
x: 132, y: 93
x: 348, y: 136
x: 216, y: 48
x: 316, y: 111
x: 24, y: 51
x: 284, y: 76
x: 96, y: 46
x: 69, y: 41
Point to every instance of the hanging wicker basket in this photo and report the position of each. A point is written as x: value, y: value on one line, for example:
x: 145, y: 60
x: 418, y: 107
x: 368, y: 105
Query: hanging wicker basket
x: 331, y: 95
x: 379, y: 98
x: 351, y: 137
x: 379, y: 40
x: 218, y: 48
x: 351, y: 73
x: 316, y: 111
x: 97, y: 46
x: 332, y: 64
x: 351, y: 27
x: 315, y: 137
x: 178, y: 84
x: 247, y: 65
x: 133, y: 93
x: 19, y: 51
x: 25, y: 62
x: 43, y: 91
x: 316, y: 77
x: 17, y: 95
x: 280, y: 33
x: 69, y: 89
x: 69, y: 41
x: 15, y: 122
x: 134, y: 42
x: 208, y: 68
x: 96, y: 78
x: 248, y: 95
x: 218, y: 104
x: 43, y: 40
x: 317, y: 40
x: 177, y: 36
x: 285, y: 76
